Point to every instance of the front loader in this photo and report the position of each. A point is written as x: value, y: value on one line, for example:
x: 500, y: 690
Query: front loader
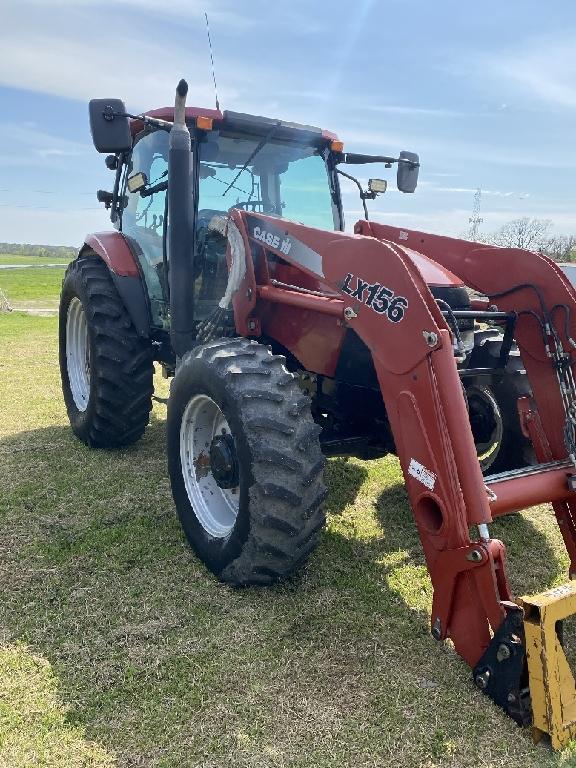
x: 290, y: 340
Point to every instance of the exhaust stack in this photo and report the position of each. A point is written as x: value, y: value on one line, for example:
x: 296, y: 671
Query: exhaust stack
x: 180, y: 229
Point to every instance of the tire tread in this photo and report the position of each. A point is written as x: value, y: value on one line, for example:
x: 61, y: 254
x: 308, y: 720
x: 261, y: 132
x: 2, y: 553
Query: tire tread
x: 122, y: 376
x: 287, y: 492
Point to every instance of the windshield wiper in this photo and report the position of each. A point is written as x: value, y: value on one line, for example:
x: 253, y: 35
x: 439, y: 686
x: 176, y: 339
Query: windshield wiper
x: 262, y: 144
x: 221, y: 181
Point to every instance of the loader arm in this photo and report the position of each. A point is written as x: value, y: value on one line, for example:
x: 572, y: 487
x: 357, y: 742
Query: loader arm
x: 374, y: 287
x: 544, y: 303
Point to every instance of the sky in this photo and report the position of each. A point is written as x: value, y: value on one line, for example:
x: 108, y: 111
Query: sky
x: 484, y: 92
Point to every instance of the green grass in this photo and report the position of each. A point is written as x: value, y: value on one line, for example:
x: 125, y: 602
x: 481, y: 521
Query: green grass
x: 117, y: 647
x: 31, y: 288
x: 34, y: 725
x: 13, y: 258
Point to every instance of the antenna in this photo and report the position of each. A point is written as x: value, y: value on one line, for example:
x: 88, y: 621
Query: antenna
x: 212, y: 61
x: 475, y: 220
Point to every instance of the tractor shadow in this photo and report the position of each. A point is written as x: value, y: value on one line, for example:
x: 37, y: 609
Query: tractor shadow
x: 99, y: 580
x: 534, y: 562
x: 344, y: 479
x: 390, y: 563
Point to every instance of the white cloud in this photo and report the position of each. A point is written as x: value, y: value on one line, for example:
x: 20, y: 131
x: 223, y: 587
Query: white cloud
x: 56, y: 152
x: 544, y: 68
x: 183, y: 9
x: 33, y: 147
x: 355, y: 103
x: 391, y: 109
x: 74, y: 51
x: 179, y: 9
x: 67, y: 70
x: 441, y: 150
x: 40, y: 225
x: 473, y: 190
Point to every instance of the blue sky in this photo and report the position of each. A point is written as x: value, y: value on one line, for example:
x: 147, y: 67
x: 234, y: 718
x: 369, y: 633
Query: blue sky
x: 484, y: 92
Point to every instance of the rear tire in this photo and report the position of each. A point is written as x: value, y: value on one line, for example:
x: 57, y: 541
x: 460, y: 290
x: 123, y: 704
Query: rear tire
x: 233, y: 405
x: 499, y: 398
x: 105, y: 366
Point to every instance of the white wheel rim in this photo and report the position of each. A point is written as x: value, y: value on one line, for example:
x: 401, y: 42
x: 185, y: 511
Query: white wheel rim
x: 488, y: 450
x: 216, y: 508
x: 78, y: 354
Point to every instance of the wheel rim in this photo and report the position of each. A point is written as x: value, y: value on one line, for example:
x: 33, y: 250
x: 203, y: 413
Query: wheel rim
x: 203, y: 425
x: 78, y: 354
x: 487, y: 424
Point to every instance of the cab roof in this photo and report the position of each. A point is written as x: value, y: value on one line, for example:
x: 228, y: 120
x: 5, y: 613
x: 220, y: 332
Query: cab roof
x: 245, y: 123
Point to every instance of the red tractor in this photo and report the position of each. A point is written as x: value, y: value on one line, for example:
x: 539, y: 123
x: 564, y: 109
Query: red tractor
x: 290, y: 340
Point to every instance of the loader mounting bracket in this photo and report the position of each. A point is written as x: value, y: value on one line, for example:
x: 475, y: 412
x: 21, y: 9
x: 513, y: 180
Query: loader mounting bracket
x: 501, y: 672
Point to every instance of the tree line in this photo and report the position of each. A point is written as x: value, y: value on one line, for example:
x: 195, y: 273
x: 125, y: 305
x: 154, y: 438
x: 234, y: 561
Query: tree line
x: 529, y: 233
x: 533, y: 235
x: 39, y: 251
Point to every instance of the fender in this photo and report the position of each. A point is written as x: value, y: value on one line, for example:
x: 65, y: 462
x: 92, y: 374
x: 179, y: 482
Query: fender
x: 115, y: 252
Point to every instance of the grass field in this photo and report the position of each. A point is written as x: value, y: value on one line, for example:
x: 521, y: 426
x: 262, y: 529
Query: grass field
x: 118, y: 648
x: 13, y: 258
x: 32, y: 288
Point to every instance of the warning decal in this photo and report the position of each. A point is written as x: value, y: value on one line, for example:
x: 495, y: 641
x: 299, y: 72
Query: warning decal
x: 422, y: 474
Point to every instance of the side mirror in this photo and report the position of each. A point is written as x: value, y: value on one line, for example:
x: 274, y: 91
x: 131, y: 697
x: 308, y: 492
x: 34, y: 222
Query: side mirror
x: 137, y: 182
x: 408, y: 167
x: 377, y: 186
x: 109, y: 125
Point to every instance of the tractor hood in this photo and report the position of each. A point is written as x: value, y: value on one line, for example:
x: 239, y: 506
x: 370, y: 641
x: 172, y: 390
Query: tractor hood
x: 432, y: 272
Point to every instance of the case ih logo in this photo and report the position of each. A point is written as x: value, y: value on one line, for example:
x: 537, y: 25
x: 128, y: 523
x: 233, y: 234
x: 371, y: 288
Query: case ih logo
x: 376, y: 296
x: 273, y: 240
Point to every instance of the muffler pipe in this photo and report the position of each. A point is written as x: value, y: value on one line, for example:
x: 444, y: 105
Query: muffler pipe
x: 180, y: 229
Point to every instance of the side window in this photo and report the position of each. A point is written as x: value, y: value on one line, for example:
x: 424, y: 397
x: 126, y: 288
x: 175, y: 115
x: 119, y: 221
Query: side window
x: 150, y: 210
x: 210, y: 268
x: 143, y: 218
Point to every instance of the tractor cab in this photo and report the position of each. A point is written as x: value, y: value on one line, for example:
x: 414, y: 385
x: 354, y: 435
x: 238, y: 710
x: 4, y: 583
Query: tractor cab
x: 240, y: 161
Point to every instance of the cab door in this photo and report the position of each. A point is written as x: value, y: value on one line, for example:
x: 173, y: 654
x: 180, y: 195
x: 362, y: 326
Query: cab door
x: 144, y: 221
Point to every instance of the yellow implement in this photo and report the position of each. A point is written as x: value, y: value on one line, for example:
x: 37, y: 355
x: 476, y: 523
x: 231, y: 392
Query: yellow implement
x: 552, y: 685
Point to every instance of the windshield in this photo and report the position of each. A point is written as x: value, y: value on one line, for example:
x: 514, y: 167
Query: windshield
x: 286, y: 180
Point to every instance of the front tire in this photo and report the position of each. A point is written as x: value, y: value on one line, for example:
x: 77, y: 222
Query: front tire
x: 245, y: 462
x: 493, y: 410
x: 105, y: 366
